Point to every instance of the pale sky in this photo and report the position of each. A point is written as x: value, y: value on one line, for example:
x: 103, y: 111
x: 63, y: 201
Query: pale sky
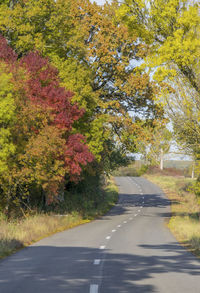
x: 100, y: 2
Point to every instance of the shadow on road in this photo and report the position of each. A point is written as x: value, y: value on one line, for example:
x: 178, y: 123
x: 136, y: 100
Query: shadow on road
x: 129, y: 201
x: 71, y: 269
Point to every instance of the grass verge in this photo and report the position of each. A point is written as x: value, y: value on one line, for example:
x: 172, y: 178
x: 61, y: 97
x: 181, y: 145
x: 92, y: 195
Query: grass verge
x: 20, y: 233
x: 184, y: 222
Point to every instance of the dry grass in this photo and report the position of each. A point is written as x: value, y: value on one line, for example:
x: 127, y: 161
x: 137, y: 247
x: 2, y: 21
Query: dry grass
x: 20, y: 233
x: 185, y: 221
x: 17, y: 234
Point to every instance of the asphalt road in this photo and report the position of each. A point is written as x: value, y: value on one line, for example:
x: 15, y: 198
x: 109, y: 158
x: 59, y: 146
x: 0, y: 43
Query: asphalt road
x: 128, y: 250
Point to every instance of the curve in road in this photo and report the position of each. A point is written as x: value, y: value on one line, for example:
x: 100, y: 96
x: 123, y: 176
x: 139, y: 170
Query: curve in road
x: 128, y: 250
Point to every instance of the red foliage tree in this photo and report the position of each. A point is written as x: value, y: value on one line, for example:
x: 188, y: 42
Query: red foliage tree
x: 6, y: 53
x: 43, y: 89
x: 48, y: 147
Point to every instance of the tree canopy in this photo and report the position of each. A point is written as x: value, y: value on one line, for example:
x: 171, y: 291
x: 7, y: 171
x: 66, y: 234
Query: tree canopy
x: 96, y: 58
x: 37, y: 139
x: 172, y: 30
x: 77, y: 80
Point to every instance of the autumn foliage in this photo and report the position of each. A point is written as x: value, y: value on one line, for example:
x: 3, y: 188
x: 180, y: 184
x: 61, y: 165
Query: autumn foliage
x: 97, y: 57
x: 44, y: 148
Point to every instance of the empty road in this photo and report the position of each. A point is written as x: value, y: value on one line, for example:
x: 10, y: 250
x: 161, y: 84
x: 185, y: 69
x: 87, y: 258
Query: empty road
x: 128, y: 250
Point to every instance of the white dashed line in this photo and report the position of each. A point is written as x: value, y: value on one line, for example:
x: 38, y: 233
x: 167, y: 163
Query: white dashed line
x: 125, y: 222
x: 130, y: 218
x: 113, y: 231
x: 136, y: 215
x: 119, y: 226
x: 102, y: 247
x: 97, y: 261
x: 138, y: 210
x: 94, y: 288
x: 108, y: 237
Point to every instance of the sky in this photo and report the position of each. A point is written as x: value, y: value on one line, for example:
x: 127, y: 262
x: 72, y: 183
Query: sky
x: 100, y: 2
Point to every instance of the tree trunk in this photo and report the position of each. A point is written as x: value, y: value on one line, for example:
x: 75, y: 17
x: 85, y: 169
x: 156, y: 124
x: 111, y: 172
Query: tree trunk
x: 161, y: 159
x: 193, y: 170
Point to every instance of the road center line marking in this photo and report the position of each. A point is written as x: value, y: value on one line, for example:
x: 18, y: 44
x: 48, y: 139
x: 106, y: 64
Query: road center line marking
x: 113, y: 231
x: 119, y: 226
x: 97, y: 261
x: 125, y: 222
x: 136, y: 215
x: 102, y: 247
x: 108, y: 237
x: 138, y: 210
x: 94, y: 288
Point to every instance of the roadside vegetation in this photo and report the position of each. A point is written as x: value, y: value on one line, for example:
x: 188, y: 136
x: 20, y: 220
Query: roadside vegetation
x: 171, y: 167
x: 135, y: 169
x: 35, y: 225
x: 185, y: 208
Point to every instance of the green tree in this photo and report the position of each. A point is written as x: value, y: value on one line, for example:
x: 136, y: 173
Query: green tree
x: 7, y: 117
x: 172, y: 29
x: 155, y: 143
x: 94, y: 53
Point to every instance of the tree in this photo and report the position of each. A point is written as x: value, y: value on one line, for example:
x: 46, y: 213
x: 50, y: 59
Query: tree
x: 7, y: 116
x: 155, y: 143
x: 94, y: 53
x: 172, y: 29
x: 37, y: 137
